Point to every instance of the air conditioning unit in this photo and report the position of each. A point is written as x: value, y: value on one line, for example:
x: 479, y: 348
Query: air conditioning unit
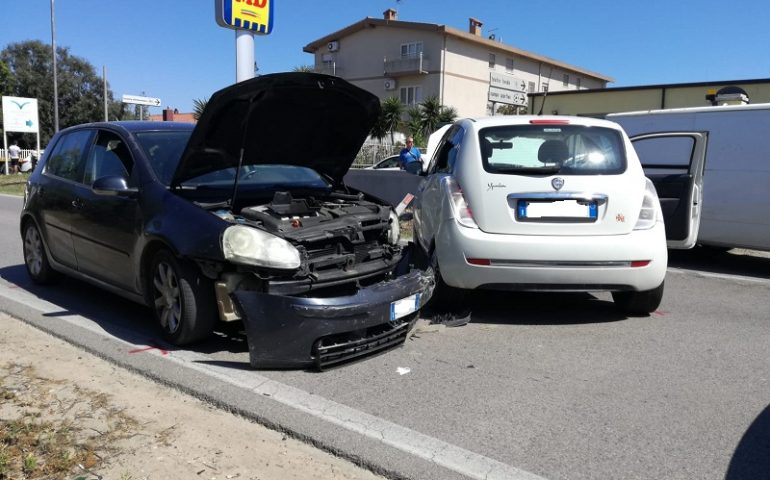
x: 333, y: 46
x: 390, y: 84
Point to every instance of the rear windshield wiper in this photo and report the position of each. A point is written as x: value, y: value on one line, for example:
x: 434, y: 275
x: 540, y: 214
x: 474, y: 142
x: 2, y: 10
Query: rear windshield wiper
x: 528, y: 170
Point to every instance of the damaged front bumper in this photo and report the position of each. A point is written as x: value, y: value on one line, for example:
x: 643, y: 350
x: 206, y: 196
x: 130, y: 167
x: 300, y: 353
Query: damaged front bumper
x: 285, y: 331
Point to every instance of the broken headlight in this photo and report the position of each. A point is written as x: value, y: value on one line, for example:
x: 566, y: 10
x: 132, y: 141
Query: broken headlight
x: 394, y: 229
x: 251, y: 246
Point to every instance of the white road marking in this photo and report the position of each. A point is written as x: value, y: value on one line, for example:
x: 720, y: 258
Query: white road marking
x: 449, y: 456
x: 721, y: 276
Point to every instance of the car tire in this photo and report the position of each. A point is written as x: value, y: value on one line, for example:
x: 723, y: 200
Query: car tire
x: 639, y: 303
x: 35, y: 256
x: 182, y: 299
x: 446, y: 298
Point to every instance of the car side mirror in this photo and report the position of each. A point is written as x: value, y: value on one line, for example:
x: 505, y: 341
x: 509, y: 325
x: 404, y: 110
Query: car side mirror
x: 113, y: 185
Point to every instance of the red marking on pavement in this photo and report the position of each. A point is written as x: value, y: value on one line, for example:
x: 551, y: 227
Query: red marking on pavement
x: 147, y: 349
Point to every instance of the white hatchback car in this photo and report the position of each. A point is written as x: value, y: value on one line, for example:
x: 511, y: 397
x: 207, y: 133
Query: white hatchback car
x: 539, y: 203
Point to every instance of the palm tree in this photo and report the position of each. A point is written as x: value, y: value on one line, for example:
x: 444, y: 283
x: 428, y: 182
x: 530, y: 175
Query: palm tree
x: 447, y: 115
x: 199, y: 105
x: 303, y: 68
x: 415, y: 124
x: 431, y: 112
x: 380, y: 128
x: 392, y: 110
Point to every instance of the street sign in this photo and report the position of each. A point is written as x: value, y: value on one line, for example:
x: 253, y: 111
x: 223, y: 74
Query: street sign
x: 507, y: 81
x: 501, y: 95
x: 255, y: 16
x: 20, y: 115
x: 137, y: 100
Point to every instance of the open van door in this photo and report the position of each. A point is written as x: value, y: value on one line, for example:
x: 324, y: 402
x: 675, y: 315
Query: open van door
x: 674, y: 162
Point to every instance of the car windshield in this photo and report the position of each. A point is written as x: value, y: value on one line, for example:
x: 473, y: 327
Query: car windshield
x: 548, y: 149
x: 164, y: 150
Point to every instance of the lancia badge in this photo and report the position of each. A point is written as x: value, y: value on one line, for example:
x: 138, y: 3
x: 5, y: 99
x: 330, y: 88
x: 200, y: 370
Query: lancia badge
x: 557, y: 183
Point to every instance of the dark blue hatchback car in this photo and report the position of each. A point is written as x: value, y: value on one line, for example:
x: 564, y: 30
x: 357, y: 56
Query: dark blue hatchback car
x: 242, y: 217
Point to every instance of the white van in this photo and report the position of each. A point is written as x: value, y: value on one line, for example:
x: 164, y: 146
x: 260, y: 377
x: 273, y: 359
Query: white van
x: 711, y: 168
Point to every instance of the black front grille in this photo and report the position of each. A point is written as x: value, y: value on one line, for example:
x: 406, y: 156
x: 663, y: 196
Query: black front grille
x: 333, y: 350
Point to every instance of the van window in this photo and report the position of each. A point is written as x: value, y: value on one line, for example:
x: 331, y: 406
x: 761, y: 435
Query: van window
x: 665, y: 151
x: 549, y: 149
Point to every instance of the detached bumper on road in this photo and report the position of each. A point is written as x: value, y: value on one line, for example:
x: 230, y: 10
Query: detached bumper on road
x: 286, y: 331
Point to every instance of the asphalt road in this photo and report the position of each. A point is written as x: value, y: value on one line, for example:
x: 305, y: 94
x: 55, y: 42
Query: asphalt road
x: 554, y: 386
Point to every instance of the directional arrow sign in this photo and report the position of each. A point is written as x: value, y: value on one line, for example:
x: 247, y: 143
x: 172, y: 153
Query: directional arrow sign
x: 137, y: 100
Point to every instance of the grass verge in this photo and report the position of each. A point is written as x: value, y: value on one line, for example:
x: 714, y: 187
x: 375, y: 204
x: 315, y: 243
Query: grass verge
x: 13, y: 184
x: 55, y: 430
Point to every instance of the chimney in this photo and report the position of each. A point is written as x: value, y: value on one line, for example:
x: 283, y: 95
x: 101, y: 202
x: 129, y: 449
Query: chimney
x: 168, y: 115
x: 474, y: 26
x: 389, y: 14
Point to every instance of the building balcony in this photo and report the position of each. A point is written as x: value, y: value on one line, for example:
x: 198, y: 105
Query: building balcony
x: 329, y: 69
x: 408, y: 65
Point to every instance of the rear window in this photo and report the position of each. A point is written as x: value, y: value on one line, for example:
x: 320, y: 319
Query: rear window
x: 549, y: 149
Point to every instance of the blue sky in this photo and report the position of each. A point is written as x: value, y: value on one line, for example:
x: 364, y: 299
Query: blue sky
x: 175, y: 51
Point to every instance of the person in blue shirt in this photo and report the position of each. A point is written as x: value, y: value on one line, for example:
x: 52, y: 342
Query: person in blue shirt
x: 410, y: 157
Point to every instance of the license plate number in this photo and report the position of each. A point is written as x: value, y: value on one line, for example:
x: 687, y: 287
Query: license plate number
x: 405, y: 306
x: 556, y: 209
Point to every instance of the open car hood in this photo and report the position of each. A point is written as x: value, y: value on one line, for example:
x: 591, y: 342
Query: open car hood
x: 304, y: 119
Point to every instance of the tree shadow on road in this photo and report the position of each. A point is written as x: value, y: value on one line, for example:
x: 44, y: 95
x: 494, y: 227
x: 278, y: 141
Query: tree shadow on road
x: 751, y: 460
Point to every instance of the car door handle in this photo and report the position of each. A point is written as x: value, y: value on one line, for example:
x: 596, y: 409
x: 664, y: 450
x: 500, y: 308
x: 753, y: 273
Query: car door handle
x: 77, y: 203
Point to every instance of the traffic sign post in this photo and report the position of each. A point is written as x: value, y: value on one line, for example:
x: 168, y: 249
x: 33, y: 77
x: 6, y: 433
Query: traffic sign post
x: 138, y: 100
x: 141, y: 101
x: 507, y: 89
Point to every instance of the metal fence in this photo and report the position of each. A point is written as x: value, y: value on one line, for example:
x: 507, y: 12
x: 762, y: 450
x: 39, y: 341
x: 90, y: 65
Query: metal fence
x: 25, y: 152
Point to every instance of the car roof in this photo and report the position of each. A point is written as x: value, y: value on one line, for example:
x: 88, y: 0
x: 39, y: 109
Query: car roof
x: 139, y: 126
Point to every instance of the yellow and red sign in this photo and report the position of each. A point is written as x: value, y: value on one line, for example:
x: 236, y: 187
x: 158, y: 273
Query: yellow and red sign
x: 253, y: 15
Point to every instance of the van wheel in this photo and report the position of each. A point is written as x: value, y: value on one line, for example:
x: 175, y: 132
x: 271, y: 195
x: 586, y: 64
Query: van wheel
x: 182, y: 300
x: 35, y: 257
x: 639, y: 303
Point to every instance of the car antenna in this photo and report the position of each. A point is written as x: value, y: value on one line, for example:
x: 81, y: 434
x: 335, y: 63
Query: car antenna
x: 545, y: 95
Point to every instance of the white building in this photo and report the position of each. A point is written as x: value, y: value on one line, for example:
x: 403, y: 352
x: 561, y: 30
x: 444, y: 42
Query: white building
x: 465, y: 70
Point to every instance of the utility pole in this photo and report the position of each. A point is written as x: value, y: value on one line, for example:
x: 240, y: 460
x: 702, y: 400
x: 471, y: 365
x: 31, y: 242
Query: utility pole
x: 55, y: 82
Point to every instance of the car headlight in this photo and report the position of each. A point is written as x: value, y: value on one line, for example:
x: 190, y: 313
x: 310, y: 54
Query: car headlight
x: 252, y: 246
x: 650, y: 212
x: 394, y: 230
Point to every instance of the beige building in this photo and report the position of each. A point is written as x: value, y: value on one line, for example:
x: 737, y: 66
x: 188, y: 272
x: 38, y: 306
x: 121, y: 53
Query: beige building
x: 464, y: 69
x: 598, y: 103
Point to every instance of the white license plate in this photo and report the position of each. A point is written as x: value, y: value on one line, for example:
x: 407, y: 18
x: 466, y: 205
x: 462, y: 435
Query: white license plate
x: 405, y: 306
x: 559, y: 208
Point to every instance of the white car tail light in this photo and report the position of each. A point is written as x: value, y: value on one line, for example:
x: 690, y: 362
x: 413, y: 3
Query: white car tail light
x: 650, y: 212
x: 460, y: 208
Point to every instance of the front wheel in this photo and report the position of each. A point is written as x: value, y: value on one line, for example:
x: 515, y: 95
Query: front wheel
x: 639, y: 303
x: 182, y: 300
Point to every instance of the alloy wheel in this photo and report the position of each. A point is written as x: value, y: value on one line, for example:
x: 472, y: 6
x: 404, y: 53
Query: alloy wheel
x: 168, y: 300
x: 33, y: 251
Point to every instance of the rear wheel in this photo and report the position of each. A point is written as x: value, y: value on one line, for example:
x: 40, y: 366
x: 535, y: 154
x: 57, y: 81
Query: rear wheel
x: 35, y: 257
x: 182, y: 299
x: 639, y: 303
x: 450, y: 305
